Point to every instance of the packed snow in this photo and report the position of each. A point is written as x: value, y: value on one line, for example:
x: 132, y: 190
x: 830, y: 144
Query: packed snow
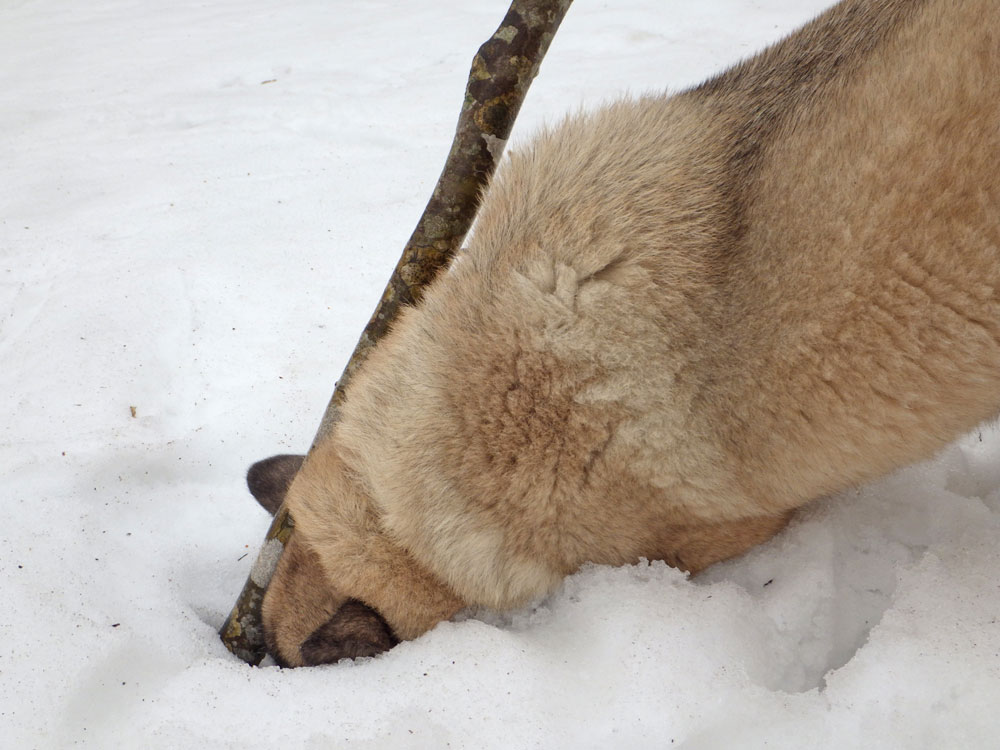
x: 200, y: 204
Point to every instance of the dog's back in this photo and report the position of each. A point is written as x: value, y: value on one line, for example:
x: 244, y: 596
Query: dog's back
x: 680, y: 318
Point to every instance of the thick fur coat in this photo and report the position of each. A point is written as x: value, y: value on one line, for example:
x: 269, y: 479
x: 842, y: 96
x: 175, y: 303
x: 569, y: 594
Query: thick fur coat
x: 677, y: 320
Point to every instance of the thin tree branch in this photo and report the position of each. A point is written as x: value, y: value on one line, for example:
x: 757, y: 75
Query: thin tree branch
x: 501, y: 73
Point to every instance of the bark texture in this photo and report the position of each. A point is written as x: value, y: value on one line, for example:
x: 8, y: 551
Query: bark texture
x: 501, y: 73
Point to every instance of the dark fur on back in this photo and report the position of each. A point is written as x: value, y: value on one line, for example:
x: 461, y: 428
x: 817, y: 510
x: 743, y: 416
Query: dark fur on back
x: 752, y: 99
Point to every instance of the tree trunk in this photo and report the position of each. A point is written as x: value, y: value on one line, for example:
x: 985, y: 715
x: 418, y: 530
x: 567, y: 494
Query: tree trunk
x: 501, y: 72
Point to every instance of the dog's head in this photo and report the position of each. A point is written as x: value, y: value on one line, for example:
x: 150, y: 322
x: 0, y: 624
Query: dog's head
x: 342, y: 588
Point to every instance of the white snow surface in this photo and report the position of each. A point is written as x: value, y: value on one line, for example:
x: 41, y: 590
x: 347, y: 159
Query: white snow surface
x: 200, y: 204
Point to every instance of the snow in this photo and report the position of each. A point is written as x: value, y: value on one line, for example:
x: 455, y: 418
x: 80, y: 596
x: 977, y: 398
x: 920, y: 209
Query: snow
x: 200, y: 204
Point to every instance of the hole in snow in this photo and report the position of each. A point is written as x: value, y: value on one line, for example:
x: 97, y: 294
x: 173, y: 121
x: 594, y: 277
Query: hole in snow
x: 818, y: 588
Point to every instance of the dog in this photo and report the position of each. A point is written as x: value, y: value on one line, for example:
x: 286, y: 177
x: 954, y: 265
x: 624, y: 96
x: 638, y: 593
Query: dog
x: 678, y: 319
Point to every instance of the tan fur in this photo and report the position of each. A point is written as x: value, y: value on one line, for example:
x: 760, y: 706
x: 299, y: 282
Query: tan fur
x: 679, y: 319
x: 295, y: 606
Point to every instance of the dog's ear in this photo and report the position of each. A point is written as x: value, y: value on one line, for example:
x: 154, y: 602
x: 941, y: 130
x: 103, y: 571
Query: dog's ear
x: 268, y: 480
x: 354, y: 630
